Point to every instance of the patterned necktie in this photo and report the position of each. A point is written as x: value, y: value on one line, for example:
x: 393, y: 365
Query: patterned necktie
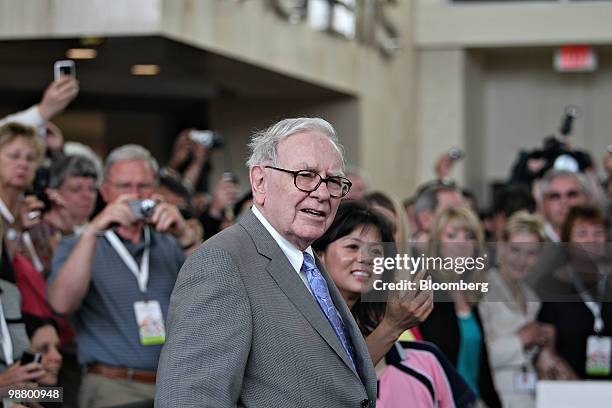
x: 319, y: 289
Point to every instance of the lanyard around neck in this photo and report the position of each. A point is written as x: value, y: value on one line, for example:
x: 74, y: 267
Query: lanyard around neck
x: 7, y: 344
x: 589, y: 302
x: 6, y: 213
x: 142, y: 273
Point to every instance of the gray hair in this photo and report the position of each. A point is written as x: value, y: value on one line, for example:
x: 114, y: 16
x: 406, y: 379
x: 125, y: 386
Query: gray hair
x: 554, y: 173
x: 130, y: 152
x: 71, y: 166
x: 427, y: 195
x: 80, y: 149
x: 264, y: 144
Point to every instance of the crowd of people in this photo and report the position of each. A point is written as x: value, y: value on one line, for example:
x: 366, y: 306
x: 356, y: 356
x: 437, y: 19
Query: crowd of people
x: 92, y: 249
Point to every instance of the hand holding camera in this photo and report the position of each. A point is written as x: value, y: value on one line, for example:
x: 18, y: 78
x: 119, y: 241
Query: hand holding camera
x: 57, y: 96
x: 31, y: 211
x: 116, y: 213
x: 225, y: 195
x: 445, y: 162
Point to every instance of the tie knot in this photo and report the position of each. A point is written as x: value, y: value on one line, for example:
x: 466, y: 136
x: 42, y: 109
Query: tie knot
x: 309, y: 262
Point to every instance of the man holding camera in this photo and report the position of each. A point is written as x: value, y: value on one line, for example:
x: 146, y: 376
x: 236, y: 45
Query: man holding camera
x: 117, y: 277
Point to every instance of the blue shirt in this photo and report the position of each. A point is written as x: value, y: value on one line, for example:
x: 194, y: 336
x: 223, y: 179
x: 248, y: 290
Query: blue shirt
x: 106, y: 327
x: 468, y: 360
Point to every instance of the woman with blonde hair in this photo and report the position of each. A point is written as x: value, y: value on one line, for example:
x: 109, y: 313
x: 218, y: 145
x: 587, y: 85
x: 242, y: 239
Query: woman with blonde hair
x: 509, y: 311
x: 21, y: 152
x: 456, y: 248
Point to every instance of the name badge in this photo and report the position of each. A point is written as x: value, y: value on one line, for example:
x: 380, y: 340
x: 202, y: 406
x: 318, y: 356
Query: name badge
x: 525, y: 381
x: 150, y: 322
x: 598, y: 355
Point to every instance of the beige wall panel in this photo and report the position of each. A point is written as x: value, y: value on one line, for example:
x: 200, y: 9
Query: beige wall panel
x: 250, y: 32
x: 439, y: 23
x: 65, y: 18
x: 475, y: 111
x: 440, y: 108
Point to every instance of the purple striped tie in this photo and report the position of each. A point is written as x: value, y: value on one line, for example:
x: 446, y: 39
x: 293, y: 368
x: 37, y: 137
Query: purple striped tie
x: 319, y: 289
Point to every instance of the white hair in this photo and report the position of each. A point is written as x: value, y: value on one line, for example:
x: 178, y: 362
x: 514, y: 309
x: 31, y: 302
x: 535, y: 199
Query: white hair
x: 263, y: 145
x: 130, y: 152
x: 552, y: 174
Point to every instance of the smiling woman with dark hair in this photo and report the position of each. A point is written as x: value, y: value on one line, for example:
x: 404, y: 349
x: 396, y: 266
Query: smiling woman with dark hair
x: 347, y: 249
x: 44, y: 339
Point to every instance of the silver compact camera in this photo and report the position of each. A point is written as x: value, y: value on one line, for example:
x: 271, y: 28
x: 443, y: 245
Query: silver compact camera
x: 142, y: 209
x: 456, y: 153
x: 207, y: 138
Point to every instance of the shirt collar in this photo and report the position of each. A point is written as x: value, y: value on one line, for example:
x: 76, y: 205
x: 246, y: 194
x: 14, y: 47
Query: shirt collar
x: 550, y: 231
x: 293, y: 254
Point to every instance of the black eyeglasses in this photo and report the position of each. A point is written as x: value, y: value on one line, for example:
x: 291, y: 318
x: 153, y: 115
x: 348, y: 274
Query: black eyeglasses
x: 308, y: 181
x: 556, y: 196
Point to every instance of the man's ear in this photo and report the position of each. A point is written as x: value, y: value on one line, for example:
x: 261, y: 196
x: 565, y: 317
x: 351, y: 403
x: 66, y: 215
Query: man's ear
x: 258, y: 184
x: 104, y: 191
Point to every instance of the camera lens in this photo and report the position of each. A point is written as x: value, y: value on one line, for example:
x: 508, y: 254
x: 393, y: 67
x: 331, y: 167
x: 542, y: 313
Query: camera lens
x: 147, y: 207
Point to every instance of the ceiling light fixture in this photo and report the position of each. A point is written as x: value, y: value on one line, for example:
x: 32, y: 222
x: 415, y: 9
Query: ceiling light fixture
x: 145, y: 69
x: 81, y: 53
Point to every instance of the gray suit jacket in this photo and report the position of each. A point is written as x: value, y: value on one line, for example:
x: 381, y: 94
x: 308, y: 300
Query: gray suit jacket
x: 244, y: 331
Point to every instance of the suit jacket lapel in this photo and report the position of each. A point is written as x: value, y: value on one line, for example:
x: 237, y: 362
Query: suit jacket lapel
x: 290, y: 283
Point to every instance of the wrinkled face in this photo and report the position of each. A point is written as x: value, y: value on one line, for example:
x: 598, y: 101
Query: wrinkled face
x: 130, y: 176
x: 300, y: 217
x: 46, y: 342
x: 564, y: 192
x: 456, y: 241
x: 18, y: 163
x: 349, y: 260
x: 518, y: 255
x: 591, y: 237
x: 80, y: 196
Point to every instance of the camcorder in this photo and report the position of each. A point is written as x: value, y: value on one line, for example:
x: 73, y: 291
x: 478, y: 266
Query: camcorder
x: 38, y: 189
x: 555, y: 153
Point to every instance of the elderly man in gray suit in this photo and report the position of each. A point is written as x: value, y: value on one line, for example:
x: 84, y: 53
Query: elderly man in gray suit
x: 254, y: 319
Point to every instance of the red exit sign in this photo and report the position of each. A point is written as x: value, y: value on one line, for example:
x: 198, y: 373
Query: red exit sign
x: 575, y: 58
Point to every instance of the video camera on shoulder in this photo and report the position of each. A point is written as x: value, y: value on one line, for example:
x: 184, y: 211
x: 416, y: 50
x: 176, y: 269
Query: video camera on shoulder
x: 554, y: 153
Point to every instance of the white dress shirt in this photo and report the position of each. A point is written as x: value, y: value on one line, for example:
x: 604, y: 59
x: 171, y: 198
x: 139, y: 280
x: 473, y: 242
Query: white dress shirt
x: 293, y: 254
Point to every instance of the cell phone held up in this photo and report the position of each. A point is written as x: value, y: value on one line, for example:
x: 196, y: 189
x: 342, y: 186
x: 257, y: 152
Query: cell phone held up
x: 27, y: 358
x: 64, y: 68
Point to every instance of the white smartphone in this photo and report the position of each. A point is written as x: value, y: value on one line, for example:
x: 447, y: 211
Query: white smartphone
x: 64, y: 67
